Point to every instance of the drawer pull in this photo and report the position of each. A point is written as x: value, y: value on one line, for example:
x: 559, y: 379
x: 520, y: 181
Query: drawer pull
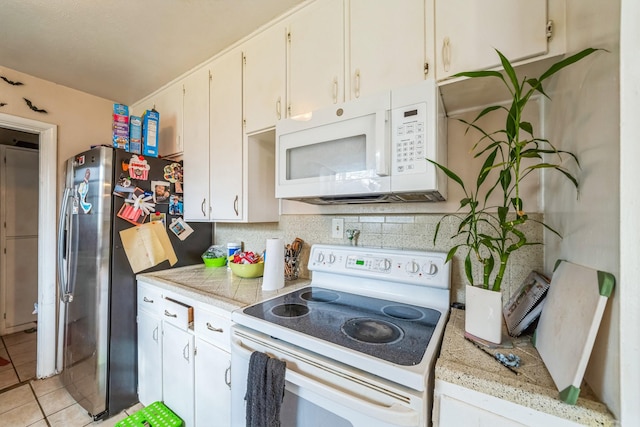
x: 155, y: 334
x: 211, y: 328
x: 145, y: 299
x: 166, y: 313
x: 227, y: 377
x: 185, y: 352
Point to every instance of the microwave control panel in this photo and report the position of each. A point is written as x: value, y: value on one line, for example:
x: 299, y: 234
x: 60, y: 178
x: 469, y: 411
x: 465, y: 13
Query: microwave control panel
x: 408, y: 140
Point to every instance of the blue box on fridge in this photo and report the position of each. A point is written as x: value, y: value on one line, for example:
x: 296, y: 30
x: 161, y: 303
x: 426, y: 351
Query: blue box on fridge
x: 150, y: 129
x: 135, y: 134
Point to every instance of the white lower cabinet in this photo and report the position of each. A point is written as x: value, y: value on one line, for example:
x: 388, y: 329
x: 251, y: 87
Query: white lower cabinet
x: 213, y: 385
x: 149, y: 357
x: 185, y: 364
x: 178, y: 372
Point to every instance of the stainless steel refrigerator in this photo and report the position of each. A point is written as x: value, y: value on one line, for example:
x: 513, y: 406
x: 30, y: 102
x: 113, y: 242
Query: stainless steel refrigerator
x: 97, y: 288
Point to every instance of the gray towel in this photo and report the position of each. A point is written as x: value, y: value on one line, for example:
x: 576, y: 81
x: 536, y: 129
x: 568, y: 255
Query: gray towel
x: 265, y: 390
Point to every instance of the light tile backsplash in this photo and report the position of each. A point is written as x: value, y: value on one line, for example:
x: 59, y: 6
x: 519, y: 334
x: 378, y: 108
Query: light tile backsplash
x: 389, y: 231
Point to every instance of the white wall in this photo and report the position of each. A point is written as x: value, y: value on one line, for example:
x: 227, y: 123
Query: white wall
x: 583, y: 117
x: 82, y: 119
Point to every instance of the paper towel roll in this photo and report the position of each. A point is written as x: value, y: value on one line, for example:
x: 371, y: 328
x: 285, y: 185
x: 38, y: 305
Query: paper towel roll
x: 273, y: 277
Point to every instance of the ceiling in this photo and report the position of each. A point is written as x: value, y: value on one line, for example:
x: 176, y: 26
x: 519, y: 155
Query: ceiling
x: 123, y: 50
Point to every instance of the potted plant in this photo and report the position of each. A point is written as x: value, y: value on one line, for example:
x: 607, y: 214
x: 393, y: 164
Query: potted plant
x: 491, y: 232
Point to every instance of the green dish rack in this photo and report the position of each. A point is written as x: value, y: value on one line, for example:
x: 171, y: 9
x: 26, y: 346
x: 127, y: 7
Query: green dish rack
x: 154, y: 415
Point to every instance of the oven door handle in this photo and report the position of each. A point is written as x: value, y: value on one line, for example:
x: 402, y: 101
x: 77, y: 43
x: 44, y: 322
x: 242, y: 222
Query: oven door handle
x: 394, y: 414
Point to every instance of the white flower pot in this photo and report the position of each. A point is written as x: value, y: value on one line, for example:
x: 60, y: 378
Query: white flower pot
x: 483, y: 316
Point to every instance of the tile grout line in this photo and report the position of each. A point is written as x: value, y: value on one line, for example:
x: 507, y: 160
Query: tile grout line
x: 39, y: 405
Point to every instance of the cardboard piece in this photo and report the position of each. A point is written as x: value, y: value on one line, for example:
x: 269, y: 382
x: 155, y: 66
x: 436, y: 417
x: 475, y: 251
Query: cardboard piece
x: 147, y: 245
x: 569, y: 324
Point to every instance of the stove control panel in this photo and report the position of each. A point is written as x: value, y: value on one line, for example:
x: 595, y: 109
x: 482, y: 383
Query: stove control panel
x: 415, y: 267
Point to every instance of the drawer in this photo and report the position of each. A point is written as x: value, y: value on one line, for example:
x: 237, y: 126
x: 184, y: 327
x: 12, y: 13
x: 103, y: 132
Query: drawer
x: 149, y: 298
x: 213, y: 328
x: 177, y: 313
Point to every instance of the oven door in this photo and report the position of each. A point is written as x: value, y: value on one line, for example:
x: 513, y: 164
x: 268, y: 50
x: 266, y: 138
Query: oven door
x: 319, y: 391
x: 339, y: 151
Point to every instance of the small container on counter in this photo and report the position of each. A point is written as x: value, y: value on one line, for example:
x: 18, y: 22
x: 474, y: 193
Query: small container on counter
x: 232, y: 248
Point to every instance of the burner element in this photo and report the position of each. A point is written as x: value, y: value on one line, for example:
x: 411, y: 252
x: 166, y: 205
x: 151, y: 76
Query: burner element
x: 319, y: 296
x: 290, y: 310
x: 372, y: 331
x: 402, y: 312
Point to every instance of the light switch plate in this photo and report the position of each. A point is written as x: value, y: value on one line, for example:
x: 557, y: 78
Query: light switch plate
x: 337, y: 228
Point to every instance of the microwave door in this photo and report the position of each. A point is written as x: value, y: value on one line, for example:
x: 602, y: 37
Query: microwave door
x: 336, y: 159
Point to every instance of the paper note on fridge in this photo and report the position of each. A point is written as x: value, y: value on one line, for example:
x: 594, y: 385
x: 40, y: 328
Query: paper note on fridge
x: 147, y: 245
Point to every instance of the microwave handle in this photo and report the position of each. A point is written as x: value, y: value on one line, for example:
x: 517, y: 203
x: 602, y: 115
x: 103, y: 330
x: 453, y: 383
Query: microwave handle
x: 382, y: 144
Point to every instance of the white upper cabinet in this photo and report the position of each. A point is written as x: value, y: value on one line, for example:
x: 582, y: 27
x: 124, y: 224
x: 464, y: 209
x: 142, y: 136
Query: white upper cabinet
x: 387, y: 45
x: 316, y: 57
x: 167, y: 102
x: 264, y: 79
x: 467, y: 31
x: 196, y: 146
x: 225, y: 121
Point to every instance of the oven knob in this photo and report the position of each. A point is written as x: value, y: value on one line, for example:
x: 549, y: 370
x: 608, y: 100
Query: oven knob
x: 332, y: 258
x: 384, y: 264
x: 430, y: 269
x: 413, y: 267
x: 320, y: 257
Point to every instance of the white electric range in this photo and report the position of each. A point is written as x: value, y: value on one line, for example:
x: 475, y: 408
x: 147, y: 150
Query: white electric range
x: 359, y: 343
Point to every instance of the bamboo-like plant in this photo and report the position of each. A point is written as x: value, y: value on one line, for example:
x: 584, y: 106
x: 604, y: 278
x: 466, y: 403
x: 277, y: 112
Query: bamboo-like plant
x: 491, y: 233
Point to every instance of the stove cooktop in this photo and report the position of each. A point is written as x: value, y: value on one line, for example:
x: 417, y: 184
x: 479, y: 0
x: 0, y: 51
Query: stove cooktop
x: 395, y: 332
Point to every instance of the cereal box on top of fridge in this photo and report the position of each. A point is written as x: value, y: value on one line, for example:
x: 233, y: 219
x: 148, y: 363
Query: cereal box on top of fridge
x: 150, y: 129
x: 135, y: 134
x: 121, y: 126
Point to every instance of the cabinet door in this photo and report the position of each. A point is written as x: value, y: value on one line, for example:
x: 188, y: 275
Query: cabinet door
x: 316, y: 57
x: 468, y: 31
x: 264, y: 79
x: 196, y: 146
x: 213, y: 385
x: 387, y: 45
x: 169, y: 104
x: 225, y: 119
x: 149, y: 358
x: 178, y: 372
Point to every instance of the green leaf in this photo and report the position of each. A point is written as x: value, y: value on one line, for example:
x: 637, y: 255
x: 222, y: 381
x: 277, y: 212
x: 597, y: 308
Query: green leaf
x: 452, y: 252
x: 566, y: 62
x: 508, y: 68
x: 502, y: 214
x: 468, y: 270
x: 449, y: 173
x: 487, y: 110
x: 486, y: 168
x: 476, y: 74
x: 526, y: 126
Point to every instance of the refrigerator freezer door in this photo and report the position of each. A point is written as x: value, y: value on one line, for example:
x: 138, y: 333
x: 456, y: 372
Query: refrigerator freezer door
x: 86, y: 322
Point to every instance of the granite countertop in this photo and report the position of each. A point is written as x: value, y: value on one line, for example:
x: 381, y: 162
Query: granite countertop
x: 462, y: 363
x: 218, y: 287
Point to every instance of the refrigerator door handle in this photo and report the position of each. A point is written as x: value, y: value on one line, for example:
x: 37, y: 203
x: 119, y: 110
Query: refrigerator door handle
x: 63, y: 235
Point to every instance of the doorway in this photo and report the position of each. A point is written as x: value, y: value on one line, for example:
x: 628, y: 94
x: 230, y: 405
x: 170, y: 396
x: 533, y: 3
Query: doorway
x: 47, y: 213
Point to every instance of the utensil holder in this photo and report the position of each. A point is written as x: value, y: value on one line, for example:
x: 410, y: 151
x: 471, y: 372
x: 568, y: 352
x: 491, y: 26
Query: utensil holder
x: 291, y: 267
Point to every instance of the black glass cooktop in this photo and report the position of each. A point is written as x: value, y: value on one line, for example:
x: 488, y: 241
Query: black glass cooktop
x: 395, y: 332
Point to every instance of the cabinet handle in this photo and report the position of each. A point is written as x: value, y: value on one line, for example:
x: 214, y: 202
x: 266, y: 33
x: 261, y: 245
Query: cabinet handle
x: 166, y: 313
x: 185, y: 352
x: 227, y: 377
x: 446, y: 54
x: 155, y: 334
x: 235, y: 205
x: 211, y: 328
x: 202, y: 207
x: 279, y: 108
x: 145, y: 299
x: 357, y: 85
x: 335, y: 90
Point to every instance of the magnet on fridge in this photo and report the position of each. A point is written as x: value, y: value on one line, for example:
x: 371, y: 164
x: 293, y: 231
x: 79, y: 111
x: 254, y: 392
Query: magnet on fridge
x: 180, y: 228
x: 173, y: 172
x: 83, y: 189
x: 139, y: 168
x: 158, y: 216
x: 160, y: 191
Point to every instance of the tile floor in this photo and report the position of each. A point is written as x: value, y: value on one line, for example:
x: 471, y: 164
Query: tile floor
x: 27, y: 401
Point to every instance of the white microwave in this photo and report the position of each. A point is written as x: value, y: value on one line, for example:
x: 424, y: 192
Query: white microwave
x: 373, y: 149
